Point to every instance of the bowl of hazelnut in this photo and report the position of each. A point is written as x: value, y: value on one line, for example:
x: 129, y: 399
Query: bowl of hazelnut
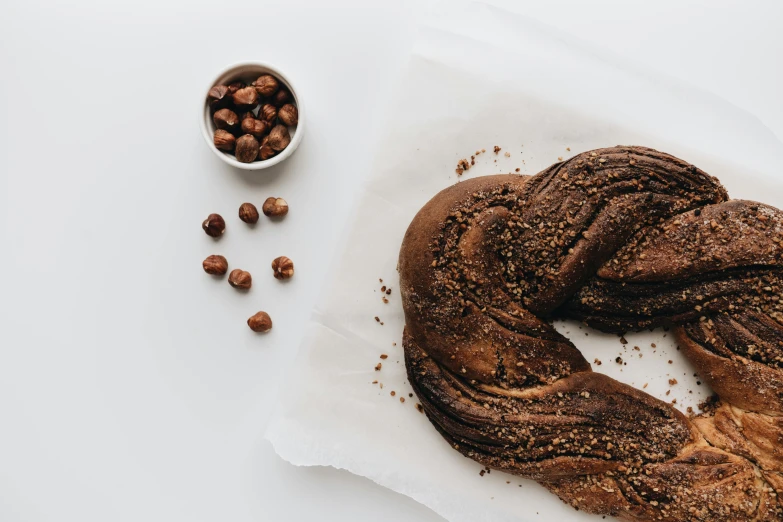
x: 252, y: 116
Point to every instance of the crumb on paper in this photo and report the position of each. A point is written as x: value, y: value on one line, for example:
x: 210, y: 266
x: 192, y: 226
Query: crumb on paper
x: 496, y: 149
x: 378, y: 367
x: 410, y: 395
x: 393, y: 393
x: 516, y: 169
x: 507, y: 154
x: 394, y: 344
x: 375, y: 382
x: 623, y: 340
x: 481, y: 473
x: 388, y: 291
x: 402, y: 399
x: 568, y: 149
x: 668, y: 392
x: 462, y: 166
x: 645, y: 385
x: 598, y: 361
x: 385, y: 301
x: 560, y: 158
x: 672, y: 382
x: 420, y: 407
x: 383, y: 288
x: 384, y: 356
x: 619, y: 360
x: 653, y: 345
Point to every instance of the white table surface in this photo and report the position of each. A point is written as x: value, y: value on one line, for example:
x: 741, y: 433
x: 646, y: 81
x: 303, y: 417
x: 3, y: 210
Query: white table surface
x: 130, y: 387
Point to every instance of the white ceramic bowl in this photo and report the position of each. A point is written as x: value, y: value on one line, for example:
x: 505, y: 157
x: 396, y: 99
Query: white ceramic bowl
x: 248, y: 72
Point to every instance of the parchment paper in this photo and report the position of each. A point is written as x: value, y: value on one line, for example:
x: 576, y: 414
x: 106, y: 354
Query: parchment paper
x: 481, y: 77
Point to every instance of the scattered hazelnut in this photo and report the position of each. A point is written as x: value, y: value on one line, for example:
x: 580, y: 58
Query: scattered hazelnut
x: 215, y: 265
x: 288, y: 114
x: 260, y: 322
x: 247, y: 149
x: 268, y: 112
x: 266, y: 152
x: 283, y: 267
x: 246, y: 99
x: 226, y: 119
x: 248, y: 213
x: 266, y: 85
x: 255, y: 127
x: 275, y: 207
x: 279, y: 137
x: 224, y: 140
x: 214, y: 225
x: 240, y: 279
x: 218, y: 96
x: 281, y: 97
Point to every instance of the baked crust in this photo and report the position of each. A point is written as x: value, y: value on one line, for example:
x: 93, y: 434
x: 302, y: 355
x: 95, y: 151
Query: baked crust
x: 623, y: 238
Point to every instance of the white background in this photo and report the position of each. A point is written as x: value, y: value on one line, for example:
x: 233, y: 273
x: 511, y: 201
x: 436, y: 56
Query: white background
x: 130, y: 386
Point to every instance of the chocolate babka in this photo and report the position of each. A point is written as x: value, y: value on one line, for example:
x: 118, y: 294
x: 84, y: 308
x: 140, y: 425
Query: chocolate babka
x: 623, y: 238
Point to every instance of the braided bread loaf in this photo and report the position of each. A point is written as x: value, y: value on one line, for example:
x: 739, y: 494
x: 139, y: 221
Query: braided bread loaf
x: 623, y: 238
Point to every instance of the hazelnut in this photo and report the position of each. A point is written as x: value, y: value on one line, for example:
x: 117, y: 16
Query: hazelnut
x: 224, y: 140
x: 214, y: 225
x: 288, y: 114
x: 246, y: 99
x: 268, y: 112
x: 248, y: 213
x: 226, y: 119
x: 260, y: 322
x: 245, y: 115
x: 281, y: 97
x: 279, y: 137
x: 240, y: 279
x: 246, y: 149
x: 215, y: 265
x: 275, y: 207
x: 266, y: 152
x: 283, y: 267
x: 218, y: 97
x: 266, y: 85
x: 255, y: 127
x: 234, y: 87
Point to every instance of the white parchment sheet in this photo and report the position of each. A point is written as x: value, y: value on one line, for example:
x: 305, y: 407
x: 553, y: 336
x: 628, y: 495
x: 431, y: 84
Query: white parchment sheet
x: 480, y: 77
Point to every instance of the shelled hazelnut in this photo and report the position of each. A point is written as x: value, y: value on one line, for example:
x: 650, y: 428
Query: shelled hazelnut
x: 283, y: 267
x: 226, y: 119
x: 224, y: 140
x: 214, y: 225
x: 268, y: 112
x: 281, y: 97
x: 260, y: 322
x: 288, y: 115
x: 246, y: 149
x: 248, y: 213
x: 266, y: 85
x: 253, y: 120
x: 279, y: 137
x: 240, y: 279
x: 218, y: 96
x: 246, y: 99
x: 275, y: 207
x: 255, y: 127
x: 215, y: 265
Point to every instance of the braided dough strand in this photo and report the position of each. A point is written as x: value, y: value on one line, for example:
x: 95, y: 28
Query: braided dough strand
x: 623, y: 238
